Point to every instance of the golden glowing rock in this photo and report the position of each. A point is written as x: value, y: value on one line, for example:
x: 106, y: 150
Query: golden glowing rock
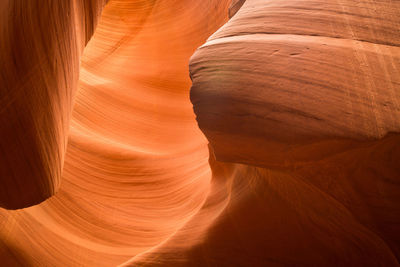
x: 299, y: 101
x: 136, y: 167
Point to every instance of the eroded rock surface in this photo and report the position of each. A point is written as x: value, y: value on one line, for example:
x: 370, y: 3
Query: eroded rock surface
x: 298, y: 100
x: 307, y: 91
x: 41, y: 45
x: 136, y: 165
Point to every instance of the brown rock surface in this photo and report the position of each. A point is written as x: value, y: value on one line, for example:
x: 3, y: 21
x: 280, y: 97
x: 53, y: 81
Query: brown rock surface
x: 136, y: 167
x: 298, y: 100
x: 307, y: 91
x: 235, y: 6
x: 327, y: 77
x: 40, y: 48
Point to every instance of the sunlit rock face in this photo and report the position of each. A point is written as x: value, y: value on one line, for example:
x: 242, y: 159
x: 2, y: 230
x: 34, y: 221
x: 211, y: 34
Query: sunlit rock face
x: 136, y: 165
x: 298, y: 102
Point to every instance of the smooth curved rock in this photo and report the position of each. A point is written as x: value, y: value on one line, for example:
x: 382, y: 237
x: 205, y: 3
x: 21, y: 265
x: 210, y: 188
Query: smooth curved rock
x: 41, y: 44
x: 136, y: 167
x: 263, y: 217
x: 325, y: 191
x: 309, y: 92
x: 298, y: 100
x: 281, y: 75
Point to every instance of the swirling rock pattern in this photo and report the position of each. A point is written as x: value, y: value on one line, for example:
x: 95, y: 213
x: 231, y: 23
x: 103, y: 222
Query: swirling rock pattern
x: 297, y: 99
x: 136, y: 166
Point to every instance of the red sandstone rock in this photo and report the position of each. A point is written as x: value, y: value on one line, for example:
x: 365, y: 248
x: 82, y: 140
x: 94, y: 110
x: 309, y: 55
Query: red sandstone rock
x: 136, y: 167
x: 307, y: 91
x: 41, y: 44
x: 298, y: 100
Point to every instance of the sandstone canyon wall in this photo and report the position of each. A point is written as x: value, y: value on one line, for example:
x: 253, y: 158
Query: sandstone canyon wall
x: 298, y: 102
x: 41, y: 44
x: 136, y: 165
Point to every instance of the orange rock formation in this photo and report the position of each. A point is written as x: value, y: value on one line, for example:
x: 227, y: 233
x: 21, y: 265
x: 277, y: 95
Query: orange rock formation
x: 41, y: 44
x: 298, y: 101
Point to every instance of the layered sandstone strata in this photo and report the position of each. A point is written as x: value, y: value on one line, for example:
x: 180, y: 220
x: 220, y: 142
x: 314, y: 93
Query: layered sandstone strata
x: 136, y: 167
x: 306, y: 95
x: 297, y: 99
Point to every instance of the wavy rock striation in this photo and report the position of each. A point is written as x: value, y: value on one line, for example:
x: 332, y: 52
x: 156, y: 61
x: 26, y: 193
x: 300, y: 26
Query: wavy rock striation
x: 298, y: 101
x: 41, y: 44
x: 307, y: 91
x: 136, y: 165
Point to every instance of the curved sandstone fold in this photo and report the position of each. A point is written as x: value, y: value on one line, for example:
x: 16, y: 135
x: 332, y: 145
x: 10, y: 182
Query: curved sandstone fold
x: 289, y: 73
x: 40, y: 48
x: 136, y: 165
x: 309, y: 92
x: 299, y: 101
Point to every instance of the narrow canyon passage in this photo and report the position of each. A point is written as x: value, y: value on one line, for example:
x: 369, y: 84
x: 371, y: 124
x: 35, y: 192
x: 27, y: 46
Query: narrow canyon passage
x: 200, y: 133
x: 136, y: 167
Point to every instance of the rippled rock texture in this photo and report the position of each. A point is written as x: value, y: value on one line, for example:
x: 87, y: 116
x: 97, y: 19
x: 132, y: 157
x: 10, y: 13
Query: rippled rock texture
x: 298, y: 102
